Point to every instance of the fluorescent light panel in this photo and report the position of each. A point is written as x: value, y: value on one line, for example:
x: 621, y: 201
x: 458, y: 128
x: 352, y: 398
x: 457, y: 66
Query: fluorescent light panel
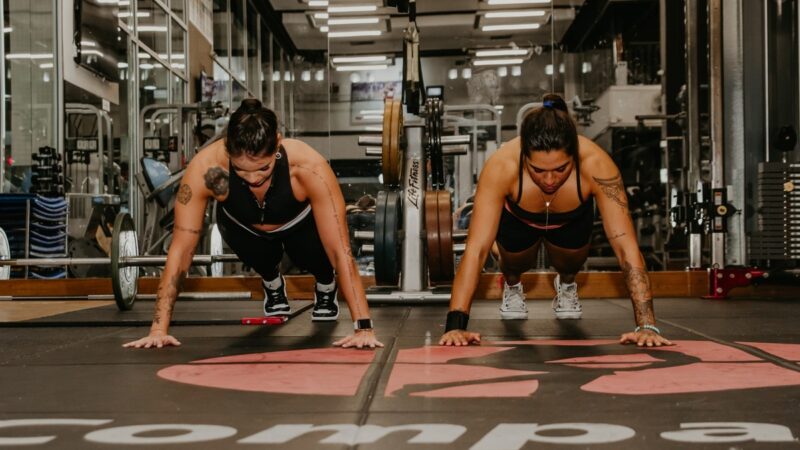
x: 358, y: 59
x: 513, y: 14
x: 362, y: 67
x: 318, y: 3
x: 338, y: 34
x: 353, y: 21
x: 518, y: 2
x: 501, y: 52
x: 349, y: 9
x: 497, y: 62
x: 511, y: 26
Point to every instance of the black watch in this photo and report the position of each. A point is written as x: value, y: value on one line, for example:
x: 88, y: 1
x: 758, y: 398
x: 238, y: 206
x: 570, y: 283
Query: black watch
x: 362, y: 324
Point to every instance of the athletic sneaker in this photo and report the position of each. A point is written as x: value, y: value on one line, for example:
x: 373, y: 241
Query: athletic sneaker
x: 565, y: 303
x: 513, y: 306
x: 276, y: 303
x: 326, y: 306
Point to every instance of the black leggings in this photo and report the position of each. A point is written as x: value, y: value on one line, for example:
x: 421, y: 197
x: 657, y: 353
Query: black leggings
x: 264, y: 251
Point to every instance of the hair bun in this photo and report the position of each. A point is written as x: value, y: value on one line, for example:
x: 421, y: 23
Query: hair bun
x: 250, y: 105
x: 554, y: 101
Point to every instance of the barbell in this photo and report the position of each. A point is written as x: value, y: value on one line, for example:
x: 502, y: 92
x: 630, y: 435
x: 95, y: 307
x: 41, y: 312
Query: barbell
x: 124, y: 260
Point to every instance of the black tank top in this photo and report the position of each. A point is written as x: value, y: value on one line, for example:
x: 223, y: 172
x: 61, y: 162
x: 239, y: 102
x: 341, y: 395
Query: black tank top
x: 279, y: 206
x: 553, y: 218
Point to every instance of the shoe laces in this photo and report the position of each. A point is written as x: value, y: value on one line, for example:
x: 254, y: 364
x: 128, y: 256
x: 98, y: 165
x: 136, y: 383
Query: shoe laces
x: 324, y: 300
x: 566, y: 296
x: 275, y: 295
x: 512, y: 298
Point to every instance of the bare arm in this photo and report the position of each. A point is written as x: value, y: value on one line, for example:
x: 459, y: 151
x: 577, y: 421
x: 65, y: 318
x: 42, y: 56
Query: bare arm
x: 190, y: 205
x: 489, y: 199
x: 612, y: 202
x: 327, y: 205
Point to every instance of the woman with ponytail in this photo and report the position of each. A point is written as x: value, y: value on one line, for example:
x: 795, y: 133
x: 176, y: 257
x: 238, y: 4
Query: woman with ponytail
x: 538, y: 190
x: 273, y: 195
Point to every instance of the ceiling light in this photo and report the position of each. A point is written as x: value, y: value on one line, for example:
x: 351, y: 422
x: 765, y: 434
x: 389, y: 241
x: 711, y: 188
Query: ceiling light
x: 511, y: 26
x: 586, y: 67
x: 338, y: 34
x: 320, y: 75
x: 355, y: 78
x: 371, y: 112
x: 321, y: 15
x: 502, y: 71
x: 362, y: 67
x: 318, y: 3
x: 46, y: 66
x: 497, y: 62
x: 152, y: 29
x: 276, y: 76
x: 516, y: 71
x: 517, y: 2
x: 353, y: 21
x: 506, y: 52
x: 149, y: 87
x: 349, y: 9
x: 518, y: 13
x: 452, y: 74
x: 466, y: 73
x: 548, y: 69
x: 324, y: 28
x: 146, y: 66
x: 305, y: 75
x: 122, y: 65
x: 358, y: 59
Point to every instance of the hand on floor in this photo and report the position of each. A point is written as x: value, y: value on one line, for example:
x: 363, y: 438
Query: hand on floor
x: 644, y: 338
x: 154, y: 340
x: 360, y: 339
x: 459, y: 338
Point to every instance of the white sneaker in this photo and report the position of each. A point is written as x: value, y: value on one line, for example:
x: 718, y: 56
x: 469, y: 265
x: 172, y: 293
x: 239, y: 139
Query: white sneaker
x: 513, y: 307
x: 565, y: 303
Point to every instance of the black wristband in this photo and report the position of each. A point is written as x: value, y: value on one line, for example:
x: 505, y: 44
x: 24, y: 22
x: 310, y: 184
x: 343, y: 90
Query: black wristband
x: 456, y: 320
x: 362, y: 324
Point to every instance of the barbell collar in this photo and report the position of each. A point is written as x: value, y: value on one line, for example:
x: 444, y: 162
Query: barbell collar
x: 364, y: 235
x: 455, y: 150
x: 463, y: 139
x: 374, y: 151
x: 370, y: 141
x: 368, y: 248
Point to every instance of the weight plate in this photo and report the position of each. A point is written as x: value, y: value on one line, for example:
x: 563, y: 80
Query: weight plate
x: 124, y: 280
x: 395, y: 153
x: 216, y: 249
x: 387, y: 142
x: 5, y: 253
x: 391, y: 239
x: 432, y: 236
x: 447, y: 263
x: 387, y: 216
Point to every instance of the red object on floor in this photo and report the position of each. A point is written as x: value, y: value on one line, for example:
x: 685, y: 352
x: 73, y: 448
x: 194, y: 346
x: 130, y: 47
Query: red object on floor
x: 721, y: 281
x: 274, y: 320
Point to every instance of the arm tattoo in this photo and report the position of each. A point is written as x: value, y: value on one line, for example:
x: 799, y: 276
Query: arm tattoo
x: 167, y: 294
x: 188, y: 230
x: 184, y: 194
x: 638, y: 284
x: 616, y: 236
x: 614, y: 190
x: 217, y: 181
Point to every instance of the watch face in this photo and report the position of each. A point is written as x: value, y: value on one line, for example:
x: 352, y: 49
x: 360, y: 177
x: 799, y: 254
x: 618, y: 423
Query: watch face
x: 362, y: 324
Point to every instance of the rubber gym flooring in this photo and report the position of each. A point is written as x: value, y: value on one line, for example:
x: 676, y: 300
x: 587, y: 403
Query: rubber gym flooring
x: 731, y: 382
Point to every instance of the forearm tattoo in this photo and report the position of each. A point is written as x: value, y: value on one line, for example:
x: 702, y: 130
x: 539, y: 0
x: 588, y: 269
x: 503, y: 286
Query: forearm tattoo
x: 616, y: 236
x: 638, y: 283
x: 614, y: 190
x: 184, y: 194
x: 167, y: 294
x: 217, y: 181
x: 344, y: 242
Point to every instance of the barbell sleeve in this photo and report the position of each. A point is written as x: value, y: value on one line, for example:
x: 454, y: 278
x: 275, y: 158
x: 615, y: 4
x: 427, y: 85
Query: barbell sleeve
x: 370, y: 141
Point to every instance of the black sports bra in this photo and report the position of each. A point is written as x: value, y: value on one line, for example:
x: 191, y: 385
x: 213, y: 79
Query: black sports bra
x: 279, y: 205
x: 553, y: 218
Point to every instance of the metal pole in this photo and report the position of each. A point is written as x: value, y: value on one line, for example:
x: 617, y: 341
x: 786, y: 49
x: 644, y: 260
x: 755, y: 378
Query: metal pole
x: 413, y: 274
x: 692, y: 162
x: 717, y: 117
x: 3, y: 103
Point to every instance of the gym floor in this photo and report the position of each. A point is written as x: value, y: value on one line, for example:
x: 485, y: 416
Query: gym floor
x: 732, y: 380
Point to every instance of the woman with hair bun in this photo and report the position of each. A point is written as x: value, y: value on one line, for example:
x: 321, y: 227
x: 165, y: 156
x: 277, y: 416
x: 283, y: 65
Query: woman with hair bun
x: 538, y: 190
x: 273, y: 195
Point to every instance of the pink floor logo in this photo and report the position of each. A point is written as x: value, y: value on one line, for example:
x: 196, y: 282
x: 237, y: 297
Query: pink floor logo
x: 473, y: 372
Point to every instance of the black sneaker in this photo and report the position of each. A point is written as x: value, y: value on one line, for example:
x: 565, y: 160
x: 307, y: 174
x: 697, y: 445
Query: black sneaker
x: 275, y: 301
x: 326, y: 307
